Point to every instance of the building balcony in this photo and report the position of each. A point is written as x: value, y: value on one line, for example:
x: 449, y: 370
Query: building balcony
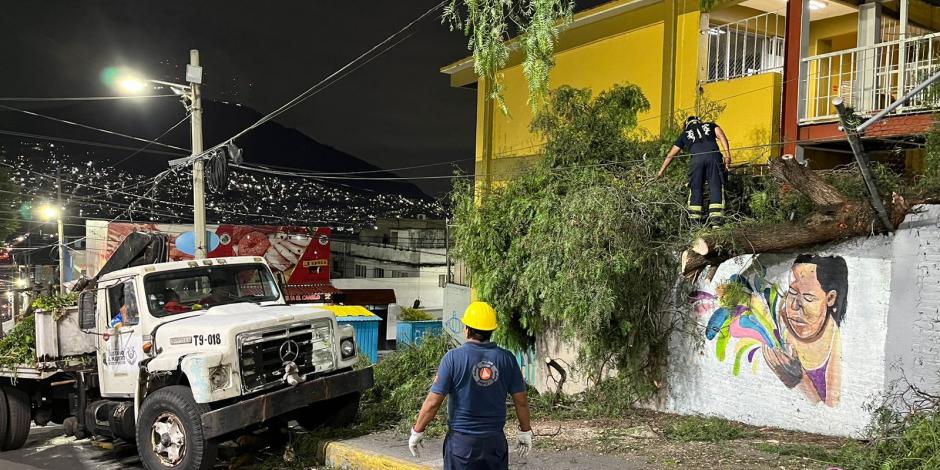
x: 869, y: 78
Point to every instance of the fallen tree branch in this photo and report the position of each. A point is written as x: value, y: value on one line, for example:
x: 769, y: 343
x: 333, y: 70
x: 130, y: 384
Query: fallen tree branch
x: 836, y: 218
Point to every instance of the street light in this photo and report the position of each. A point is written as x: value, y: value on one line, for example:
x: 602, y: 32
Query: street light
x: 129, y: 82
x: 50, y: 212
x: 21, y: 283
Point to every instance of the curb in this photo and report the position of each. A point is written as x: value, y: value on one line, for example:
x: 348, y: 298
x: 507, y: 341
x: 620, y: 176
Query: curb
x: 338, y: 454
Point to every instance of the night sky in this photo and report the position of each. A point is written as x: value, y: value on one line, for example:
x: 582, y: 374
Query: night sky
x: 396, y: 111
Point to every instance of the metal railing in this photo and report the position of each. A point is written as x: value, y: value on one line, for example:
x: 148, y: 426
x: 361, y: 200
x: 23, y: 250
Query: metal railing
x: 869, y: 78
x: 746, y: 47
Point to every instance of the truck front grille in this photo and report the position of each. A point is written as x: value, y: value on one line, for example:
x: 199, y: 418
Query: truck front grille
x: 264, y: 354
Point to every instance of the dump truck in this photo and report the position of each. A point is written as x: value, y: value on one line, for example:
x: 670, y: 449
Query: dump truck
x: 180, y: 356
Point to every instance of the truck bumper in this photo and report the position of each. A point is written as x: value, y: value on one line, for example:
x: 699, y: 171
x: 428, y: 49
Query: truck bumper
x: 263, y: 407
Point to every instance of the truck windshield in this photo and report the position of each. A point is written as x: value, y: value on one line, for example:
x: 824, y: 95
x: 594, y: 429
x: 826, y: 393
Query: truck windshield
x: 199, y: 288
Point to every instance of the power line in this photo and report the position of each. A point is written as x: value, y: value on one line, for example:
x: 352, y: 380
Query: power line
x: 154, y: 141
x: 83, y: 98
x: 83, y: 142
x: 93, y: 128
x: 330, y: 79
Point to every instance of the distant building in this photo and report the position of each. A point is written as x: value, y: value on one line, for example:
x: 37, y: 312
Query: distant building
x: 407, y: 255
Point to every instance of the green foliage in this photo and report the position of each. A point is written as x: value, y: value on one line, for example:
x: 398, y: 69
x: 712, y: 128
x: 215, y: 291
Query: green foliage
x: 55, y: 304
x: 489, y: 24
x: 707, y: 429
x: 414, y: 314
x: 18, y: 346
x: 402, y: 381
x: 584, y: 242
x: 848, y: 180
x: 930, y: 181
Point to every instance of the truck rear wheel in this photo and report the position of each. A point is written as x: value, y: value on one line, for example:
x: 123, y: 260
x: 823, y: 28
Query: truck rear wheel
x: 333, y: 413
x: 19, y: 413
x: 169, y: 431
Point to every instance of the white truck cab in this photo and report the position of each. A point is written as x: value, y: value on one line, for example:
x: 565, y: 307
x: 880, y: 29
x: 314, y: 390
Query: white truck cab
x: 190, y: 352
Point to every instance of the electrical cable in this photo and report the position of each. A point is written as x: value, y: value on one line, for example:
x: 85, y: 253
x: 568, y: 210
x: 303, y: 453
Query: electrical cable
x: 154, y: 141
x: 84, y: 98
x: 84, y: 142
x: 330, y: 79
x: 93, y: 128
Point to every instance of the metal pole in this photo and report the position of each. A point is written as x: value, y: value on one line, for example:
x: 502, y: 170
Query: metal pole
x: 884, y: 112
x: 863, y: 165
x: 448, y: 277
x: 199, y: 185
x: 61, y: 227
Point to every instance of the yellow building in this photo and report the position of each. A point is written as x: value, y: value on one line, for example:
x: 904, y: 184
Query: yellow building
x: 775, y: 79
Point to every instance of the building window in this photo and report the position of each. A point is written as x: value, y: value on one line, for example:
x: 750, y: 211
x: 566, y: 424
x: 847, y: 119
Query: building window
x: 378, y: 272
x: 399, y: 273
x: 360, y: 270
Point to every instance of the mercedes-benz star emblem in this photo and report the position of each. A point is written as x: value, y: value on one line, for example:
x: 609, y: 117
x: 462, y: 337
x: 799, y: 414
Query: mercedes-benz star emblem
x: 289, y: 351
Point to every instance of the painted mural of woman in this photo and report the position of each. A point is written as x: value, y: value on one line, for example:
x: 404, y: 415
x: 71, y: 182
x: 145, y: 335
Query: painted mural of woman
x: 809, y: 320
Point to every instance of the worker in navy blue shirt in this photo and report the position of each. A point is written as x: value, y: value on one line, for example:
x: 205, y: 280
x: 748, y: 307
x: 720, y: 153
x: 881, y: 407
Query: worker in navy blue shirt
x: 701, y: 139
x: 477, y: 377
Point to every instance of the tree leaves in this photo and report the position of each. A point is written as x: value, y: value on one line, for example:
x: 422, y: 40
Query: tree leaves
x: 489, y: 25
x: 585, y: 241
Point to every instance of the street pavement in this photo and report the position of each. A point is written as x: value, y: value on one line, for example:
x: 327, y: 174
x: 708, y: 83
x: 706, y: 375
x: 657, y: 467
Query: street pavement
x: 396, y: 446
x: 46, y: 448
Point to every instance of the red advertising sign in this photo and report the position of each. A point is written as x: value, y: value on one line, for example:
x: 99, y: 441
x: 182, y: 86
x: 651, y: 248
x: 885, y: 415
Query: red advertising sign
x: 302, y: 254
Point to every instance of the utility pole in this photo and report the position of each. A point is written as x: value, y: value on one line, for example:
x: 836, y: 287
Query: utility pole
x: 61, y: 226
x: 864, y: 166
x: 199, y: 184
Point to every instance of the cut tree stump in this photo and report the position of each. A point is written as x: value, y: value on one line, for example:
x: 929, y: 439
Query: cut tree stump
x: 836, y: 218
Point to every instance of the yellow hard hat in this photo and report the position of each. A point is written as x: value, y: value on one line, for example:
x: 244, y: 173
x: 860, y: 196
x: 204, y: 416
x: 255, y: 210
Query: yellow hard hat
x: 480, y: 316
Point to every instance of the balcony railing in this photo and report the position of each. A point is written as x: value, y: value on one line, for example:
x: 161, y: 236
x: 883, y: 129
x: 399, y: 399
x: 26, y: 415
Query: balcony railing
x: 746, y: 47
x: 869, y: 78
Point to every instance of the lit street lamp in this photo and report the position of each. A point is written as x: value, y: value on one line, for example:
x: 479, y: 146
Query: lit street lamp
x: 49, y: 212
x: 133, y: 84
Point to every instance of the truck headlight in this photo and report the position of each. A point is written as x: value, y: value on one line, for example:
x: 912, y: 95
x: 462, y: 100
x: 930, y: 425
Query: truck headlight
x: 219, y: 377
x: 347, y: 348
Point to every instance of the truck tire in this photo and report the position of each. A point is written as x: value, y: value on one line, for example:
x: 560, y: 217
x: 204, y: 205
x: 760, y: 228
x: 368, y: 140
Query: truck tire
x: 169, y: 431
x: 19, y: 413
x: 336, y: 412
x: 4, y: 416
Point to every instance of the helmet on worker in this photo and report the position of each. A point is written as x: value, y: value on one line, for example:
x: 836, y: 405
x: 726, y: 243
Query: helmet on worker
x: 480, y: 316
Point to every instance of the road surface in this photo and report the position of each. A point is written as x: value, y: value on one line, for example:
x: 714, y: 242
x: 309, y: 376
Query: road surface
x: 46, y: 448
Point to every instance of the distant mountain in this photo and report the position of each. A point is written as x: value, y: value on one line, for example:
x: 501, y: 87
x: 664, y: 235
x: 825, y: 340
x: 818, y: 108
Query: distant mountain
x: 271, y: 144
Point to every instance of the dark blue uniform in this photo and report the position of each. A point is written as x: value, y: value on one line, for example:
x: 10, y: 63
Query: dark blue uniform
x: 477, y: 377
x: 706, y: 164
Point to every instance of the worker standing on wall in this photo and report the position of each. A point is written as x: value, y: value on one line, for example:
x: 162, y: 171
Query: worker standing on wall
x: 701, y: 139
x: 477, y: 377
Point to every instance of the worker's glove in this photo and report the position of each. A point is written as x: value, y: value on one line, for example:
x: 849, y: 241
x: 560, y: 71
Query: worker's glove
x: 414, y: 441
x: 524, y: 441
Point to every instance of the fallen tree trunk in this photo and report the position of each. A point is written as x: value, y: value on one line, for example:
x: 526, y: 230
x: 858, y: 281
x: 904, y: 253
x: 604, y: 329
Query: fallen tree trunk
x: 836, y: 218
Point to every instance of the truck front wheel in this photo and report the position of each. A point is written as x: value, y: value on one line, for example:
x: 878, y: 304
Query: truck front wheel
x: 169, y: 431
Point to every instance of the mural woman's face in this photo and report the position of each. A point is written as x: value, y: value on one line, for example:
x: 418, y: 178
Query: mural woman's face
x: 805, y: 309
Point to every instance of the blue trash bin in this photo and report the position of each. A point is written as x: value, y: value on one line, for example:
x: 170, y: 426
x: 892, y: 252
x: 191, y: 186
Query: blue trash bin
x: 409, y: 333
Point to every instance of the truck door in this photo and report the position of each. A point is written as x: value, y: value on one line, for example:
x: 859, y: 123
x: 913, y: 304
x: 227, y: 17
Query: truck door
x: 120, y: 344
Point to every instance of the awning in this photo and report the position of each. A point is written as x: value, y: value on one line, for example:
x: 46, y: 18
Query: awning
x: 368, y: 296
x: 349, y: 311
x: 310, y: 293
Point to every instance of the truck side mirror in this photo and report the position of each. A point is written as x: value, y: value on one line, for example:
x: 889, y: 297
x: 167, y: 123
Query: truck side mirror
x: 86, y: 310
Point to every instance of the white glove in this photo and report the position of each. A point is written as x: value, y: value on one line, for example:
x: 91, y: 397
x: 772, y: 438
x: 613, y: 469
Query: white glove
x: 524, y: 441
x: 414, y: 441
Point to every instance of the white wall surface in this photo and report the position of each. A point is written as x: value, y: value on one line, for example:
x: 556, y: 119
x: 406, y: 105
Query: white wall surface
x: 891, y: 323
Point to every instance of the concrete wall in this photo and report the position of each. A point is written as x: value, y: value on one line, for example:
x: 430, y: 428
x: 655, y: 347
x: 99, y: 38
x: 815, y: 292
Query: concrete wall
x: 739, y: 362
